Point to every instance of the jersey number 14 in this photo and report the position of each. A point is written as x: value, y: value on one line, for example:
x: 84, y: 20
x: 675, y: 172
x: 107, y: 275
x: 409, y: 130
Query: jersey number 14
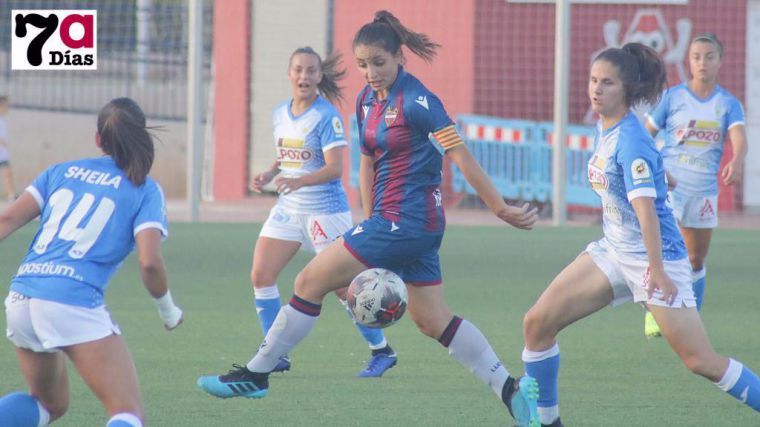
x: 83, y: 237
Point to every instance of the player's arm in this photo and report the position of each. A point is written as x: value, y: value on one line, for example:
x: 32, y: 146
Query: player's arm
x: 650, y: 232
x: 264, y: 178
x: 332, y: 170
x: 153, y: 273
x: 523, y: 217
x: 18, y: 214
x: 732, y: 172
x: 653, y: 131
x: 366, y: 180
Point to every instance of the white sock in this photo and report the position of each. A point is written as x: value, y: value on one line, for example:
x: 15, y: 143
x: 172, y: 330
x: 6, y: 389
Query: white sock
x: 470, y: 348
x: 289, y: 328
x: 124, y: 419
x: 44, y: 415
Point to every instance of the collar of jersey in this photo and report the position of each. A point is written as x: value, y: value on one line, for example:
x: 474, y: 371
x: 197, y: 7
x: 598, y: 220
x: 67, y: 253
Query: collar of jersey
x: 617, y: 125
x: 394, y: 87
x: 712, y: 94
x: 311, y: 107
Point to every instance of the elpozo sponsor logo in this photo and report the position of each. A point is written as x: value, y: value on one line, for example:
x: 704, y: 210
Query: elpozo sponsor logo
x: 48, y: 39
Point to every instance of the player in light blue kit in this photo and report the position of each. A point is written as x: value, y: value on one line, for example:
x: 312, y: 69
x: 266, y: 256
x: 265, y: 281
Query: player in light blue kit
x: 696, y: 118
x: 93, y: 212
x: 312, y: 209
x: 642, y: 256
x: 404, y: 133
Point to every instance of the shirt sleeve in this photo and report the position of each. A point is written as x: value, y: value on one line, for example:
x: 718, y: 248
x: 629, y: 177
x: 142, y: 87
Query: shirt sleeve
x: 152, y: 212
x: 333, y: 133
x: 659, y: 115
x: 427, y: 115
x: 39, y: 187
x: 735, y: 113
x: 638, y: 161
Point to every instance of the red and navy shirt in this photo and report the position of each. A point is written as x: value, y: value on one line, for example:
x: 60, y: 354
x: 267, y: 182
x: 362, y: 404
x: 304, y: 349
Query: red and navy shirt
x: 407, y: 135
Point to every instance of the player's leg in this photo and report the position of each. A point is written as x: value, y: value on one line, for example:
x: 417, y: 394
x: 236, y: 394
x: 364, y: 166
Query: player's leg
x: 332, y: 269
x: 683, y: 329
x: 44, y: 371
x: 323, y: 230
x: 579, y: 290
x: 107, y: 368
x: 270, y: 256
x: 697, y: 245
x: 48, y: 397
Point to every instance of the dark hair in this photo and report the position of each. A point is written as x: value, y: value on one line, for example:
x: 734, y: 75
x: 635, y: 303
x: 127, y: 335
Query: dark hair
x: 641, y: 70
x: 331, y: 75
x: 124, y: 136
x: 709, y: 38
x: 387, y: 32
x: 3, y: 99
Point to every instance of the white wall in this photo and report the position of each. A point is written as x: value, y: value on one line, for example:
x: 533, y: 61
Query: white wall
x: 752, y: 165
x: 38, y: 139
x: 279, y: 27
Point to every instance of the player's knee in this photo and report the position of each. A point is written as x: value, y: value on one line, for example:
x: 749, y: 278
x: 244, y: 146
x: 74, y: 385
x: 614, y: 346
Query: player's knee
x: 534, y: 326
x: 697, y: 261
x: 701, y: 365
x: 261, y: 278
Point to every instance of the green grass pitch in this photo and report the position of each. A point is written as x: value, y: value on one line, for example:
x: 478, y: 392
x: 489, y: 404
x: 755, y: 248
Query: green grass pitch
x: 611, y: 375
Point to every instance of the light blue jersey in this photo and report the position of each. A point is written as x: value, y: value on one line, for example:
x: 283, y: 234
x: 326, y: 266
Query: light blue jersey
x: 695, y: 130
x: 627, y: 165
x: 90, y: 213
x: 301, y: 142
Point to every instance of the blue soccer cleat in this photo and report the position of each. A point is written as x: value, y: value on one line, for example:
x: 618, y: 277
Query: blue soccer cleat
x: 238, y: 382
x: 283, y: 364
x: 377, y: 365
x: 522, y: 400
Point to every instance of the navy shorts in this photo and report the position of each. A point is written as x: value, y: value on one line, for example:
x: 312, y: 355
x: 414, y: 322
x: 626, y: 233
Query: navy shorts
x: 409, y: 251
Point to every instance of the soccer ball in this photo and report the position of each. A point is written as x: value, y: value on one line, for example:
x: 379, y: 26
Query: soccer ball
x: 377, y: 298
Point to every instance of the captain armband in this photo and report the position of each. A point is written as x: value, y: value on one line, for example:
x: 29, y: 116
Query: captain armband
x: 447, y: 138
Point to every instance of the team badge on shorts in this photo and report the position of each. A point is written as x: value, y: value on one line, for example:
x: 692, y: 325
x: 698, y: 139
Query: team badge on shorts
x: 706, y: 212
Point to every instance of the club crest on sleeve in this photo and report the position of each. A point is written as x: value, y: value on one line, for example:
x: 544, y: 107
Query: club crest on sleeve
x: 337, y: 126
x: 390, y: 116
x: 640, y: 171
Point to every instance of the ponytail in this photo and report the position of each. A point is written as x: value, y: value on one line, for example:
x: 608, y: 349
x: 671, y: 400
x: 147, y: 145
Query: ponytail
x: 387, y: 32
x: 642, y: 71
x: 124, y: 137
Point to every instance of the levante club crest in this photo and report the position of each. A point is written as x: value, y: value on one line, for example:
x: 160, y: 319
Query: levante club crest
x: 390, y: 116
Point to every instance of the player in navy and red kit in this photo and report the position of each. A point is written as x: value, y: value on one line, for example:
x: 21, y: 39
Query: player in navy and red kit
x: 405, y: 132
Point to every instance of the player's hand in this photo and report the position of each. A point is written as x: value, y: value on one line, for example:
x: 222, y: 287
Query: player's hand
x: 656, y: 279
x: 286, y: 184
x: 732, y: 172
x: 523, y: 217
x: 173, y: 318
x: 259, y: 181
x: 671, y: 181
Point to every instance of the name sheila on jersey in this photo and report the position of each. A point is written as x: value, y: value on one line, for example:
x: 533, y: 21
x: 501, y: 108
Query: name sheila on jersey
x: 92, y: 176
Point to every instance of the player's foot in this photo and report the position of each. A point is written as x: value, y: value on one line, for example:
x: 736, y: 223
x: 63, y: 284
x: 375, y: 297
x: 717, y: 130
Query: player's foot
x: 238, y: 382
x: 521, y: 396
x: 651, y: 328
x: 283, y: 364
x: 377, y: 365
x: 556, y: 423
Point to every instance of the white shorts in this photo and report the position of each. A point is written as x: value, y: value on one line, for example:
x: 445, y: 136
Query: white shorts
x: 45, y: 326
x: 627, y: 276
x: 314, y: 232
x: 694, y: 211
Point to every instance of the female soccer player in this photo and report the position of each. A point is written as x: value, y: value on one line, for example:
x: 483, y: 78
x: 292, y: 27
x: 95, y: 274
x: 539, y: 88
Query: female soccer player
x: 312, y: 209
x: 92, y: 214
x: 641, y: 256
x: 400, y: 174
x: 696, y: 117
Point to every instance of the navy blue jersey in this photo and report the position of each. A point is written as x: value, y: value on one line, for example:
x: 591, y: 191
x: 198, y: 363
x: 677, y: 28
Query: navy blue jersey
x: 406, y: 134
